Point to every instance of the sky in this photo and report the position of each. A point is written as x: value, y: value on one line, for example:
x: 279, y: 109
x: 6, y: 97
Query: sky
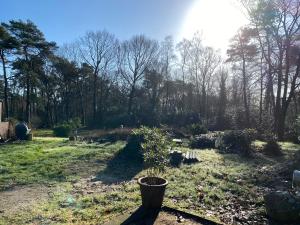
x: 64, y: 21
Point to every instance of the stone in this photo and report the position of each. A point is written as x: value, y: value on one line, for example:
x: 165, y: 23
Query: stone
x: 282, y: 206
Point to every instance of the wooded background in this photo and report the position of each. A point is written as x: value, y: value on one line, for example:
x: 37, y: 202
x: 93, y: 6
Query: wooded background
x: 107, y: 82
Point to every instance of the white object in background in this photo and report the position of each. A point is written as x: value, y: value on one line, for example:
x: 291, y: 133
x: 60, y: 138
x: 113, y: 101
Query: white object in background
x: 296, y: 179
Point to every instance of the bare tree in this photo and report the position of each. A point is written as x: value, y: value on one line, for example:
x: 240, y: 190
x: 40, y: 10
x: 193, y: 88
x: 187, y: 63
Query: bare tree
x: 135, y: 56
x: 201, y: 63
x: 98, y: 50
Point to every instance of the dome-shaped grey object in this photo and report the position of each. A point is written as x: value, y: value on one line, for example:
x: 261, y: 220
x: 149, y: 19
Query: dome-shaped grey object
x: 21, y: 130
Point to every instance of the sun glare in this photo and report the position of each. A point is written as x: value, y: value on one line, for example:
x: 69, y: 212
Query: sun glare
x: 216, y: 20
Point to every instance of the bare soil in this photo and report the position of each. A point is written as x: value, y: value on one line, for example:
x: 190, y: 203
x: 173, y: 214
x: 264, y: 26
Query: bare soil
x: 21, y: 198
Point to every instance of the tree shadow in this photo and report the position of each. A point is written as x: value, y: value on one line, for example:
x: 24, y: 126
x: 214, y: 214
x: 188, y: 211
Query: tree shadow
x: 124, y: 166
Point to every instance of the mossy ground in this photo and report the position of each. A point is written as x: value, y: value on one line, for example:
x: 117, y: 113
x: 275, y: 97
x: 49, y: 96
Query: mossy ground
x: 88, y: 183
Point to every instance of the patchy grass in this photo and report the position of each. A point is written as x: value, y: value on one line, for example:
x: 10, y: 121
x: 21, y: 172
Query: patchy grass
x: 91, y: 183
x: 50, y: 159
x: 43, y: 133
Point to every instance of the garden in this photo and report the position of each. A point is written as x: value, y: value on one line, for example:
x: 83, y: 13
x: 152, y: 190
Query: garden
x: 95, y: 178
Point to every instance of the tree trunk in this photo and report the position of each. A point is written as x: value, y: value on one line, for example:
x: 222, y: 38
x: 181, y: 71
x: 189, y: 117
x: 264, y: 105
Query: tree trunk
x: 130, y: 100
x: 28, y: 119
x: 5, y: 86
x: 246, y: 106
x: 95, y: 96
x: 261, y: 93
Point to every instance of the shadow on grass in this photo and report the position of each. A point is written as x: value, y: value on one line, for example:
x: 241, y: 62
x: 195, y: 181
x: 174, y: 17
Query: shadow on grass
x: 142, y: 217
x: 122, y: 167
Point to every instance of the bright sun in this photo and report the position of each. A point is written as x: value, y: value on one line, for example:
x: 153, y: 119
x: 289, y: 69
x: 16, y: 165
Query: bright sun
x: 216, y: 20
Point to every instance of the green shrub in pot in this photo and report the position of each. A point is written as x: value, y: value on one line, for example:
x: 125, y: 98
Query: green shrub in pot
x: 155, y: 154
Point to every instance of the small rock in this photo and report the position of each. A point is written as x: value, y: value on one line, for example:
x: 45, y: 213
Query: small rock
x: 180, y: 219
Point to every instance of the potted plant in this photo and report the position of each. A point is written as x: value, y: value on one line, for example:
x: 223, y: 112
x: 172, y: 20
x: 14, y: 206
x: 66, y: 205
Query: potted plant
x: 155, y: 156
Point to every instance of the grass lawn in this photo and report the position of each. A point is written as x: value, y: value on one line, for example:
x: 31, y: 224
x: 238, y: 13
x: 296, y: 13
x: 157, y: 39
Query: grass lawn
x: 89, y: 183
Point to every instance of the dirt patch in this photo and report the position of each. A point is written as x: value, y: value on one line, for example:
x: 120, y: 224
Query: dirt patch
x: 20, y: 198
x: 91, y: 185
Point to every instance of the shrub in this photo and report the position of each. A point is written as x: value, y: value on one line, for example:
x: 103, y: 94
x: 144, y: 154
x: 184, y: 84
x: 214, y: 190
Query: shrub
x: 197, y: 129
x: 272, y: 148
x: 134, y: 143
x: 204, y: 141
x: 65, y: 129
x: 155, y: 151
x: 234, y: 141
x: 268, y: 135
x: 292, y: 136
x: 75, y: 123
x: 145, y: 144
x: 297, y: 125
x: 252, y: 133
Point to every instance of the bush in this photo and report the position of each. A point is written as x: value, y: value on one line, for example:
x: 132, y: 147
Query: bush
x: 293, y: 132
x: 141, y: 140
x: 252, y: 133
x: 204, y: 141
x: 292, y: 136
x: 65, y: 129
x: 133, y: 148
x: 197, y: 129
x: 272, y: 148
x: 234, y: 141
x: 268, y: 135
x: 155, y: 151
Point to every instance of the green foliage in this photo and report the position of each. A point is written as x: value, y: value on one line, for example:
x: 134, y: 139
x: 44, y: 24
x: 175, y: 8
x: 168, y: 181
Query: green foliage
x: 66, y: 128
x: 149, y: 145
x: 197, y: 129
x: 204, y: 141
x: 155, y: 150
x: 234, y: 141
x: 62, y: 130
x: 133, y: 147
x: 251, y: 133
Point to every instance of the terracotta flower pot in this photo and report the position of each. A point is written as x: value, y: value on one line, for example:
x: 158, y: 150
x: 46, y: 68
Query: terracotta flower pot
x: 152, y: 191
